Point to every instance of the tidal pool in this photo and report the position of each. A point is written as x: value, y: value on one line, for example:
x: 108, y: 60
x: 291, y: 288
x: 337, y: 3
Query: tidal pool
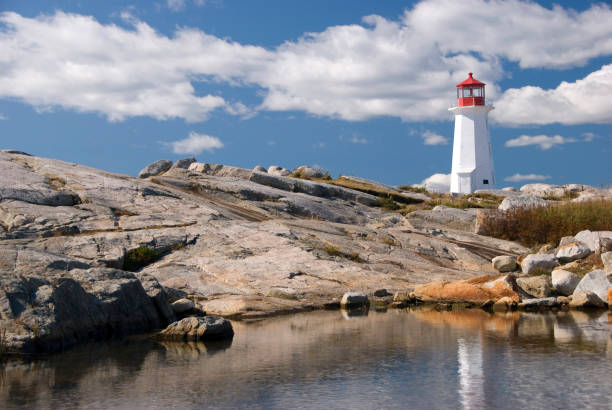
x: 420, y: 359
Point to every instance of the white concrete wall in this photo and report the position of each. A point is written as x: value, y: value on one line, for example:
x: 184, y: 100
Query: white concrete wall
x: 472, y: 156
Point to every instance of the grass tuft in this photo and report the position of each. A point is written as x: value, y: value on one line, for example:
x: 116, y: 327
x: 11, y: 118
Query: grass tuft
x: 541, y: 225
x: 139, y: 257
x: 332, y: 250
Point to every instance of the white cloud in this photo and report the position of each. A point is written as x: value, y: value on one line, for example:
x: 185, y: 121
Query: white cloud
x: 436, y: 183
x: 431, y: 138
x: 544, y: 141
x: 176, y: 5
x: 3, y: 117
x: 405, y: 68
x: 195, y: 144
x: 527, y: 177
x: 74, y: 62
x: 587, y: 100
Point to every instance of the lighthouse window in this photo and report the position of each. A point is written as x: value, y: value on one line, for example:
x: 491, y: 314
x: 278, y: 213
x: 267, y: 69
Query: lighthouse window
x: 485, y: 181
x: 477, y: 92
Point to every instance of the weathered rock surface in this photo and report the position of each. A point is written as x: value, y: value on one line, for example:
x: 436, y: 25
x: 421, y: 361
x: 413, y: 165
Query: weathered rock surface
x: 596, y: 282
x: 535, y: 303
x: 521, y: 201
x: 155, y: 168
x: 564, y: 282
x: 309, y: 172
x: 198, y: 329
x: 504, y: 263
x: 504, y: 304
x: 184, y: 163
x: 84, y: 251
x: 572, y: 251
x: 536, y: 286
x: 540, y: 261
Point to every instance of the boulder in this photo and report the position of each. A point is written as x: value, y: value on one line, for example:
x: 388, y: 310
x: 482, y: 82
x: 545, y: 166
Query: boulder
x: 276, y: 170
x: 586, y: 299
x: 598, y: 242
x: 309, y: 172
x: 534, y: 262
x: 504, y: 263
x: 543, y: 190
x: 564, y: 282
x: 572, y: 251
x: 504, y: 304
x: 158, y: 296
x: 259, y: 168
x: 182, y: 306
x: 155, y: 168
x: 198, y: 329
x: 184, y: 163
x: 528, y: 304
x: 381, y: 293
x: 536, y: 286
x: 354, y: 300
x: 606, y: 259
x: 521, y: 201
x: 596, y: 282
x: 475, y: 290
x: 402, y: 298
x: 220, y: 170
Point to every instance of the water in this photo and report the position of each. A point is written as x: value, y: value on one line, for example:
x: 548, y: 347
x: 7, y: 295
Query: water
x: 327, y: 360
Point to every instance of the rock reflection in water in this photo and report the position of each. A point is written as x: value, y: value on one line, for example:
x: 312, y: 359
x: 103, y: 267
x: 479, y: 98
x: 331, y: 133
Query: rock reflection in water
x: 397, y: 359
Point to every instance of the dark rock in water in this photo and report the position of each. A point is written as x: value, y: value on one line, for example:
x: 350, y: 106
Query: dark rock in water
x: 155, y: 168
x: 48, y: 302
x: 351, y: 300
x: 198, y: 328
x: 381, y: 293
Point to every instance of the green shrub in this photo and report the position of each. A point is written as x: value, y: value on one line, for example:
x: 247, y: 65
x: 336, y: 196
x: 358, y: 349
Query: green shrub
x: 139, y: 257
x: 540, y: 225
x: 386, y: 202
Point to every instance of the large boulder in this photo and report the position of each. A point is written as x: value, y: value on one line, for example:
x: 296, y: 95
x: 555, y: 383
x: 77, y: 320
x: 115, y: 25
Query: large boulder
x: 572, y: 251
x: 198, y: 329
x: 543, y: 190
x: 536, y: 286
x: 155, y: 168
x: 504, y: 263
x: 598, y: 242
x: 309, y: 172
x: 521, y: 201
x: 596, y: 282
x: 220, y: 170
x: 475, y: 290
x: 586, y: 299
x: 182, y: 306
x: 276, y: 170
x: 541, y: 262
x: 259, y: 168
x: 352, y: 300
x: 564, y: 282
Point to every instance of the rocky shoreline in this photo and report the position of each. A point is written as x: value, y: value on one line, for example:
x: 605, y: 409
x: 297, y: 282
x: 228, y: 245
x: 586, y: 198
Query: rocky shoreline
x: 86, y: 254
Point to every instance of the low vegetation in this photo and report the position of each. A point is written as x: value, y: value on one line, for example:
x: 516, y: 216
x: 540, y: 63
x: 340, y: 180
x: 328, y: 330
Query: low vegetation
x: 139, y: 257
x: 332, y: 250
x: 541, y: 225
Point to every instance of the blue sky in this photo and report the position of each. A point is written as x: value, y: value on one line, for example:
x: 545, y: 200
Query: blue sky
x: 356, y: 87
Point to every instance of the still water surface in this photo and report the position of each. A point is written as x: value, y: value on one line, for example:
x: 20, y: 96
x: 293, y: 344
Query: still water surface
x: 326, y: 360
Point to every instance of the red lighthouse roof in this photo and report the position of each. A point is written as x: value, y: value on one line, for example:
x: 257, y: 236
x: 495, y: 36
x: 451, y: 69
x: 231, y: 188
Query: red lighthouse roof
x: 471, y: 81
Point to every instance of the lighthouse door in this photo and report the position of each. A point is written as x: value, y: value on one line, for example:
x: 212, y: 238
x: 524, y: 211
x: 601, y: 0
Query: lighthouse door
x: 464, y: 183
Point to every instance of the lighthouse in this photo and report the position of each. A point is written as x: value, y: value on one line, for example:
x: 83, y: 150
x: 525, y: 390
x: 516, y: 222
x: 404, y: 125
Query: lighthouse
x: 472, y: 166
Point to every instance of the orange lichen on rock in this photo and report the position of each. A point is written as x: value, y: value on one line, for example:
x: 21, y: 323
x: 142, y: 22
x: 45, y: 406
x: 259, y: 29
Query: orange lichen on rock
x: 474, y: 290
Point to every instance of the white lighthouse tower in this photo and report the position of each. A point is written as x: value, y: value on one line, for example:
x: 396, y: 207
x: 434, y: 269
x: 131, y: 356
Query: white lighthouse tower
x: 472, y: 160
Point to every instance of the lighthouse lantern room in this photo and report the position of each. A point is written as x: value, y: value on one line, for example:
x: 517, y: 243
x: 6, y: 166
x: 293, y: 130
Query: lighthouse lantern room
x: 472, y: 166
